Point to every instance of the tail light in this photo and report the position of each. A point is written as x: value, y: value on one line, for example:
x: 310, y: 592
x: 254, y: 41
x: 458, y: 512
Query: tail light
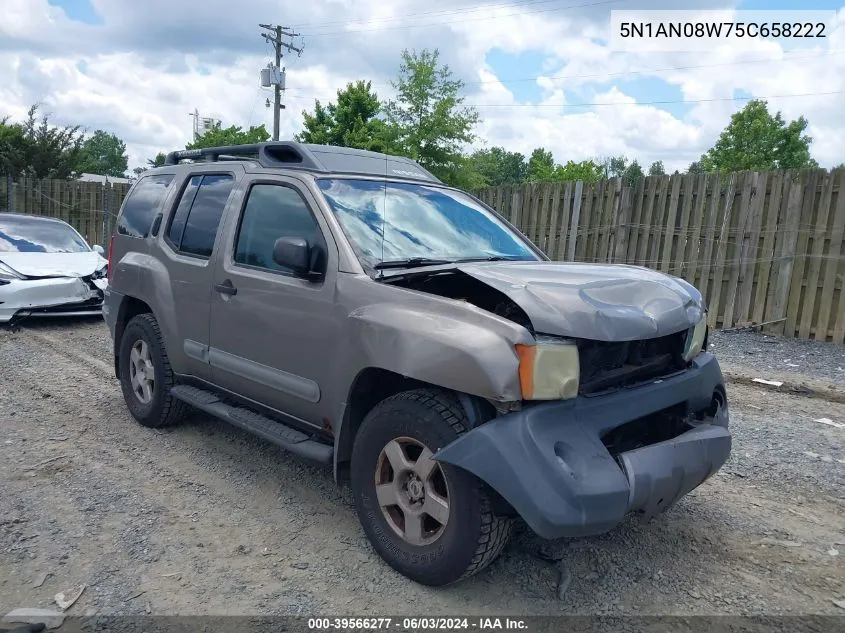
x: 109, y: 267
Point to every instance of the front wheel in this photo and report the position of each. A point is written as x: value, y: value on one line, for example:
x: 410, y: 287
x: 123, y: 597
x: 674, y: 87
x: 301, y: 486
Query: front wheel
x: 431, y: 522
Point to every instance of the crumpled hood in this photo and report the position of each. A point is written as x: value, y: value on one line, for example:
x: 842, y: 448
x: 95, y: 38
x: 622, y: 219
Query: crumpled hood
x: 604, y: 302
x: 54, y: 264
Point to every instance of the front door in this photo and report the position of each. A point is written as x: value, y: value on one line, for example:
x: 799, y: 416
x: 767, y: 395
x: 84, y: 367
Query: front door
x: 272, y: 331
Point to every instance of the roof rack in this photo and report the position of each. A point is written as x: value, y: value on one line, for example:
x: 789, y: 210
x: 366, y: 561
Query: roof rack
x: 309, y: 157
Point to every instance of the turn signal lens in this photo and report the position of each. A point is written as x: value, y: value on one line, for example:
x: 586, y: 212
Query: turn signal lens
x: 548, y: 370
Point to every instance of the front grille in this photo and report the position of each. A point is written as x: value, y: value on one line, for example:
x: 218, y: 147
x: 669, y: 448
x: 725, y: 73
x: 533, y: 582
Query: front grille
x: 606, y: 366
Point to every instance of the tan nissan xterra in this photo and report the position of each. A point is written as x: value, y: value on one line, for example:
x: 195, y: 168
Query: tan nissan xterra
x: 351, y: 308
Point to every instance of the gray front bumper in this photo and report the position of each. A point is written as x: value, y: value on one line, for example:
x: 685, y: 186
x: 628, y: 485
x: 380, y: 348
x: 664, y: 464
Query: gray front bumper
x: 549, y: 463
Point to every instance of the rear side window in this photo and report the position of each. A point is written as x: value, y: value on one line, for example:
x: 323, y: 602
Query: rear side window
x: 193, y: 228
x: 271, y: 212
x: 141, y: 205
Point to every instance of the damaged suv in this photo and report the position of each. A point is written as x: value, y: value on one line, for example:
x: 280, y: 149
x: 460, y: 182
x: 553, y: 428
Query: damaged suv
x: 351, y: 308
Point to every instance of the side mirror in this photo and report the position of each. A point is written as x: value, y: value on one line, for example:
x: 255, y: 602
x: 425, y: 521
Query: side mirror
x: 293, y: 253
x: 99, y: 250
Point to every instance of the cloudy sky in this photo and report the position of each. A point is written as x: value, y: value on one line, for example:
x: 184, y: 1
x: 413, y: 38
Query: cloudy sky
x: 541, y: 72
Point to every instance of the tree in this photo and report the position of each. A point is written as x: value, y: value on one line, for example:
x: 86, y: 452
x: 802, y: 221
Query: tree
x: 632, y: 173
x: 37, y: 149
x: 695, y: 167
x: 12, y: 147
x: 619, y: 167
x: 158, y: 160
x: 497, y: 166
x: 427, y: 121
x: 587, y: 171
x: 104, y: 154
x: 541, y: 165
x: 351, y: 122
x: 755, y: 140
x: 657, y: 168
x: 839, y: 166
x: 218, y: 136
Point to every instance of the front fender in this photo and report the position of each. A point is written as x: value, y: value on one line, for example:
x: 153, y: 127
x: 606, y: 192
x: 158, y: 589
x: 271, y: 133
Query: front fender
x: 439, y: 349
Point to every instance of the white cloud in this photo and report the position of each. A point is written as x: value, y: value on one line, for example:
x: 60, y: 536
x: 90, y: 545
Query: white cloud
x: 149, y: 64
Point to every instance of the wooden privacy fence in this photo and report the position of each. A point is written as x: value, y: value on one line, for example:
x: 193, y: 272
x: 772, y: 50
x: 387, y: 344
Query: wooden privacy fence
x: 90, y: 207
x: 763, y: 248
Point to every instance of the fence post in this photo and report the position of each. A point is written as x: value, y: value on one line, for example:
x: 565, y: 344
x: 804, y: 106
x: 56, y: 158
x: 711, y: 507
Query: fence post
x: 9, y: 194
x: 787, y: 255
x: 576, y: 216
x: 106, y: 206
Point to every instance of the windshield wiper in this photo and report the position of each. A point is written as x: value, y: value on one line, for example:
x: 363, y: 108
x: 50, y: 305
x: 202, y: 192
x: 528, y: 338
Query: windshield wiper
x: 493, y: 258
x: 411, y: 262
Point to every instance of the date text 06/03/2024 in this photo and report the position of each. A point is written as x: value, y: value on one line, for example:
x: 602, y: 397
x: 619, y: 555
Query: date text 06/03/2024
x: 478, y: 623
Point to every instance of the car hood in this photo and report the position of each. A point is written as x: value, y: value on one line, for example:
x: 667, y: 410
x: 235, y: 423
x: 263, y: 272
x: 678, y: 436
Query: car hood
x: 54, y: 264
x: 605, y: 302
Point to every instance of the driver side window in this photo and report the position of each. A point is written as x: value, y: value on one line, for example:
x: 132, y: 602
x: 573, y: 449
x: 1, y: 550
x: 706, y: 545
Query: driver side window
x: 272, y: 212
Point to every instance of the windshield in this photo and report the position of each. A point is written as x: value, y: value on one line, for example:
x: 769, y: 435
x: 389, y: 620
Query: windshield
x: 418, y: 222
x: 38, y: 235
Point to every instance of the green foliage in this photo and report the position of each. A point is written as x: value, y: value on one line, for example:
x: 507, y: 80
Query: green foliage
x: 103, y: 153
x: 12, y: 143
x: 497, y: 166
x: 219, y: 136
x: 427, y: 121
x: 657, y: 168
x: 37, y: 149
x: 619, y: 167
x: 158, y: 160
x: 541, y: 165
x: 351, y: 122
x: 755, y: 140
x: 695, y: 167
x: 586, y: 170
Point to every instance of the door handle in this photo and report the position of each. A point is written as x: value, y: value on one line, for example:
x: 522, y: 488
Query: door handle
x: 226, y: 288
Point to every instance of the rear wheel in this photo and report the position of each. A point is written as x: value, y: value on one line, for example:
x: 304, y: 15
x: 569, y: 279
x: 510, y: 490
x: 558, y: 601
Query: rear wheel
x: 431, y: 522
x: 146, y: 376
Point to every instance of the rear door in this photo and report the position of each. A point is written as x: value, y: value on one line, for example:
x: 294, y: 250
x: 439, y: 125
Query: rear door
x: 187, y: 241
x: 272, y: 332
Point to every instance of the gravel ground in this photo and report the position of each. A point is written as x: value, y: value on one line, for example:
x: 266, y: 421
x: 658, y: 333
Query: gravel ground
x: 206, y: 519
x: 777, y: 358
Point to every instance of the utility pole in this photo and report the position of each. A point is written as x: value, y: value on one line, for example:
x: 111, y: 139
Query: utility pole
x: 274, y: 36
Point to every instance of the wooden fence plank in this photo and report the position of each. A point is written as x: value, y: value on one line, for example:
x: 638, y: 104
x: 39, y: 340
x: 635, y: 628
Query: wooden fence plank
x: 622, y: 218
x: 554, y: 219
x: 636, y: 220
x: 669, y: 225
x: 545, y: 224
x: 607, y: 225
x: 592, y: 204
x: 814, y: 263
x: 786, y: 256
x: 766, y: 253
x: 796, y: 286
x: 721, y: 246
x: 749, y: 248
x: 697, y: 221
x: 734, y: 250
x: 574, y: 221
x: 832, y: 264
x: 646, y: 222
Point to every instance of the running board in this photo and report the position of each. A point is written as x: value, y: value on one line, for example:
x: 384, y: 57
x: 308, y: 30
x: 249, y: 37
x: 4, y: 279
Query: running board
x: 280, y: 434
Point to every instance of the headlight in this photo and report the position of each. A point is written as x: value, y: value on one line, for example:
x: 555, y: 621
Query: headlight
x: 8, y: 274
x: 548, y: 370
x: 695, y: 339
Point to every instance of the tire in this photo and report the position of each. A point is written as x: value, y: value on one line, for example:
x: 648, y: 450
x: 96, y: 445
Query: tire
x: 162, y: 409
x: 472, y: 537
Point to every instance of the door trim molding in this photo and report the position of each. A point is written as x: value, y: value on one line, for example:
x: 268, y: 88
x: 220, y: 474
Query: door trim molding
x: 291, y: 384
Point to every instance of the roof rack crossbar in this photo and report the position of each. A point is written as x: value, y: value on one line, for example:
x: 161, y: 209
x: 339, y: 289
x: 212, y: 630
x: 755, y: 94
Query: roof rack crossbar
x: 319, y: 158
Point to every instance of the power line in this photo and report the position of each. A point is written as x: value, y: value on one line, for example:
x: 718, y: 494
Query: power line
x: 476, y: 19
x: 636, y: 72
x: 635, y: 103
x: 664, y: 102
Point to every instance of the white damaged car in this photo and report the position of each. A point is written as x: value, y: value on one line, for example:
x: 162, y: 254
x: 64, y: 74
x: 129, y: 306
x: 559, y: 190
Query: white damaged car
x: 48, y: 269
